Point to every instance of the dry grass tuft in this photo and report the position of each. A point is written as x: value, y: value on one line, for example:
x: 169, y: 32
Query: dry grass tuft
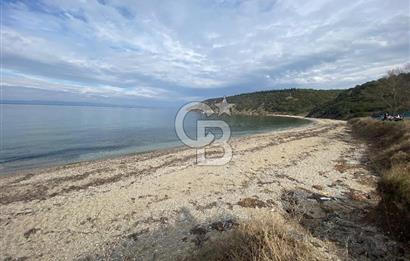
x: 390, y: 140
x: 396, y: 184
x: 270, y: 238
x: 251, y: 203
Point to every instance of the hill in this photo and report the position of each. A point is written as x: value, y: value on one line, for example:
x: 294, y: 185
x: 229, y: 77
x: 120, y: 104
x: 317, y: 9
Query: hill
x: 389, y: 94
x: 289, y: 101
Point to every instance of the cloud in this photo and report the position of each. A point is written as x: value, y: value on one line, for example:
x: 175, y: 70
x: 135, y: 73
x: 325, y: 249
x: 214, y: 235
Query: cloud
x: 18, y: 80
x: 178, y: 49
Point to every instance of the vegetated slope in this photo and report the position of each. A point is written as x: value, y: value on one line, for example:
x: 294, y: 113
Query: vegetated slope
x: 289, y: 101
x: 390, y: 158
x: 390, y: 94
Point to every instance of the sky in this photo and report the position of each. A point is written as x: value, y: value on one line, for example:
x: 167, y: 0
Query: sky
x: 171, y: 52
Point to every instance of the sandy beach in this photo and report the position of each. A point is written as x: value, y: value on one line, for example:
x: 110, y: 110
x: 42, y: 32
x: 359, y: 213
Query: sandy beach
x: 148, y: 205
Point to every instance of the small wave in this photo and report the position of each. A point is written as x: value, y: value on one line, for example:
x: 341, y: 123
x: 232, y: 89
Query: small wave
x: 63, y: 152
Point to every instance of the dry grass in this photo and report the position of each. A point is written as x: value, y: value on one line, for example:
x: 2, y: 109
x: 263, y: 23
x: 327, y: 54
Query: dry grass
x: 390, y: 157
x: 396, y: 184
x: 270, y: 238
x: 390, y: 140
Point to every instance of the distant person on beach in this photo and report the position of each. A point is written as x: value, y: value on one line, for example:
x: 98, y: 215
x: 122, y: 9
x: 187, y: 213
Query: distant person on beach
x: 385, y: 116
x: 398, y: 118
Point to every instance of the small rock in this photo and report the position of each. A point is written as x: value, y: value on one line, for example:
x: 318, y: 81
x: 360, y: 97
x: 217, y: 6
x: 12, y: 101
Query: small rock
x: 218, y: 225
x: 223, y: 225
x: 357, y: 195
x: 198, y: 230
x: 134, y: 236
x: 30, y: 232
x: 318, y: 187
x: 163, y: 220
x: 252, y: 203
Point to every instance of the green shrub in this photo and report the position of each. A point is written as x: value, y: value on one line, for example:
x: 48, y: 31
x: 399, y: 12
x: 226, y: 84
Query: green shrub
x: 389, y: 94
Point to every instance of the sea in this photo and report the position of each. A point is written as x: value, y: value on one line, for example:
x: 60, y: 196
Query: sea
x: 36, y: 136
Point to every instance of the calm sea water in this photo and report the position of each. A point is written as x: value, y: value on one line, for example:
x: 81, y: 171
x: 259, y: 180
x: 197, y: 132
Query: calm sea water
x: 47, y: 135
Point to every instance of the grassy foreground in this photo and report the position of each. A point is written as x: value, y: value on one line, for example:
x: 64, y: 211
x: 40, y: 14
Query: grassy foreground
x: 270, y: 238
x: 390, y: 158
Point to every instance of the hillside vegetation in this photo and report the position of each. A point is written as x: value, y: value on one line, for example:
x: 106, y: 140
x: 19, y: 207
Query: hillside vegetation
x: 289, y: 101
x: 389, y: 94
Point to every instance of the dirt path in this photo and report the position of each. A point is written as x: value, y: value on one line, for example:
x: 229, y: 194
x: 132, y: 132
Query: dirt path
x: 150, y: 205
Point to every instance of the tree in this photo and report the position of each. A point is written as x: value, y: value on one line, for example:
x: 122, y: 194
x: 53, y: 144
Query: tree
x: 399, y: 87
x: 394, y: 91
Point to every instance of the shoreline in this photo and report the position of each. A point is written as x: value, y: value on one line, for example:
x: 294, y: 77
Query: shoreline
x: 56, y: 166
x: 153, y: 202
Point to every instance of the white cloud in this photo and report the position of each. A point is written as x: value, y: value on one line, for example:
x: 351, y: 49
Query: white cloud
x: 186, y: 48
